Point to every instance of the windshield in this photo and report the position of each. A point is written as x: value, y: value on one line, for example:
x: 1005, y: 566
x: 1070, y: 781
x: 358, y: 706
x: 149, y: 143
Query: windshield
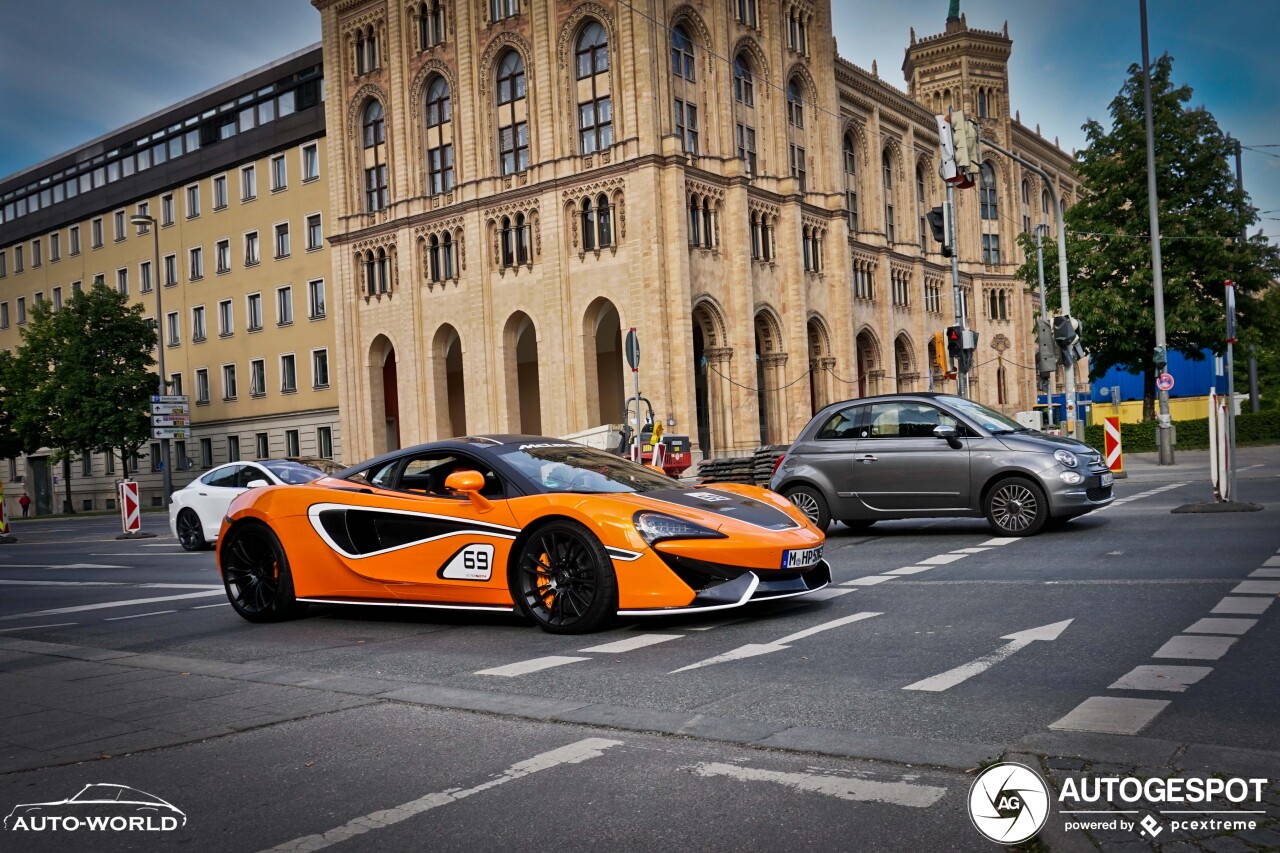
x: 292, y: 473
x: 989, y: 419
x: 574, y: 468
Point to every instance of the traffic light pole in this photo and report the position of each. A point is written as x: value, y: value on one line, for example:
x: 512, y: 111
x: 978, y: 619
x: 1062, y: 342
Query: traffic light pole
x: 1064, y: 292
x: 957, y: 296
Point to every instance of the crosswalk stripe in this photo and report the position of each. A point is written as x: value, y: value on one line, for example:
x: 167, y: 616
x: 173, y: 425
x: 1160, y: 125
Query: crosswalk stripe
x: 532, y: 665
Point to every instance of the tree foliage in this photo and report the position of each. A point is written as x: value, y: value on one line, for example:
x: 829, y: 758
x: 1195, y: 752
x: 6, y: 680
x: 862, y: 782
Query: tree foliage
x: 1202, y: 218
x: 84, y: 375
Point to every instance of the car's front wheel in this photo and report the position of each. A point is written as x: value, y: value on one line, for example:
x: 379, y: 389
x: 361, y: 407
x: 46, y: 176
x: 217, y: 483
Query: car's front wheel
x: 564, y: 581
x: 255, y: 571
x: 1017, y: 507
x: 811, y: 502
x: 190, y: 531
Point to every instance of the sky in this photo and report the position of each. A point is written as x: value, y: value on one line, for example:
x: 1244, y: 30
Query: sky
x: 100, y: 66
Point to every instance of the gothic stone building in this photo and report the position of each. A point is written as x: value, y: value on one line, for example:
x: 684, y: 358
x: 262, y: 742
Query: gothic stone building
x: 515, y: 183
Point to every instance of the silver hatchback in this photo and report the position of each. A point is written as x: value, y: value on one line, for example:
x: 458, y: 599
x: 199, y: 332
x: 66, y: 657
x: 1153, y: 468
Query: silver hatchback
x: 930, y: 455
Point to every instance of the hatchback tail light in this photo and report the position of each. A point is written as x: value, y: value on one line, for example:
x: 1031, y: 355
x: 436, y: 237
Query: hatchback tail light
x: 777, y: 464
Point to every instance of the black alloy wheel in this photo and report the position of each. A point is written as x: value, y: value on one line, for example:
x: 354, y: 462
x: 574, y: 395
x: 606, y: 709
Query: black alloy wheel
x: 1017, y: 507
x: 564, y: 580
x: 256, y: 574
x: 190, y: 531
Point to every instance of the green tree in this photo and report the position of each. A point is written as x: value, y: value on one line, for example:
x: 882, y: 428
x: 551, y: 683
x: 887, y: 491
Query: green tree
x: 86, y: 376
x: 1202, y: 217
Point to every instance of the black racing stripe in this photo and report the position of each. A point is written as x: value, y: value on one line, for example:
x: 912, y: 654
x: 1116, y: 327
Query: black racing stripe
x: 728, y: 504
x: 365, y: 531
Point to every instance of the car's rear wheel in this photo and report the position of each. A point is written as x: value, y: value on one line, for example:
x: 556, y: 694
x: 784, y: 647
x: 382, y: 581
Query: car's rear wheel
x: 255, y: 571
x: 190, y: 531
x: 1017, y: 507
x: 811, y: 502
x: 564, y: 581
x: 858, y: 523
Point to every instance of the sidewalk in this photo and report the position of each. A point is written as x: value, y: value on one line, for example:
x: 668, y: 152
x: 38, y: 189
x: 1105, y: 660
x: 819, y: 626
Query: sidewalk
x: 1193, y: 466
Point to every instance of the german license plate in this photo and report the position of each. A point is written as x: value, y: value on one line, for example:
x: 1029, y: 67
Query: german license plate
x: 802, y: 558
x: 1108, y: 479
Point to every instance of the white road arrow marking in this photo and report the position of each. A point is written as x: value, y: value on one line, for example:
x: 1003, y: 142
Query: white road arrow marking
x: 1020, y: 640
x: 751, y: 650
x: 844, y: 788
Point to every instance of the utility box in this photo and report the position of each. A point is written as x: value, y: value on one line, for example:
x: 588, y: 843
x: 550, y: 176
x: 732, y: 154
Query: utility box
x: 1030, y: 420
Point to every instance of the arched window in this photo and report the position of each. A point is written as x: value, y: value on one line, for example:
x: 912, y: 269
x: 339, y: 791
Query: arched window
x: 522, y: 239
x: 851, y: 180
x: 499, y: 9
x: 604, y: 221
x: 374, y: 157
x: 370, y: 274
x: 430, y: 24
x: 508, y: 243
x: 595, y: 107
x: 384, y: 271
x: 370, y: 49
x: 748, y: 12
x: 373, y: 125
x: 886, y: 163
x: 682, y: 57
x: 987, y: 199
x: 695, y: 222
x: 1044, y: 202
x: 707, y: 231
x: 513, y: 115
x: 755, y: 236
x: 744, y: 91
x: 439, y: 137
x: 360, y: 56
x: 982, y: 103
x: 588, y: 225
x: 433, y: 254
x: 448, y: 268
x: 1026, y: 192
x: 805, y: 239
x: 795, y: 104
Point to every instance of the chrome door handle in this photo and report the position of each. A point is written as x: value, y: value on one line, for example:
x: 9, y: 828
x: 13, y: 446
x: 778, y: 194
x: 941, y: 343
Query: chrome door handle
x: 865, y: 459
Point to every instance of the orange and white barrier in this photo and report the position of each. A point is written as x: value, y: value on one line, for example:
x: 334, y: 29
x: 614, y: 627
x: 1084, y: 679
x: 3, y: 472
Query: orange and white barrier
x: 130, y: 509
x: 1111, y: 445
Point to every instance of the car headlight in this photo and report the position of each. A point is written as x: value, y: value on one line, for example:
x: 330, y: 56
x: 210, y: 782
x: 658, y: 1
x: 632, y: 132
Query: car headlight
x: 1066, y: 457
x: 654, y: 527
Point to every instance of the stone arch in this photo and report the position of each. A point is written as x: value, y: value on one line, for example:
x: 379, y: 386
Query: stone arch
x: 384, y: 394
x: 565, y: 52
x: 759, y: 62
x: 687, y: 14
x: 520, y: 366
x: 771, y: 359
x: 355, y: 107
x: 867, y: 354
x: 821, y: 362
x: 417, y: 116
x: 712, y: 392
x: 801, y: 73
x: 904, y: 363
x: 603, y: 358
x: 446, y: 369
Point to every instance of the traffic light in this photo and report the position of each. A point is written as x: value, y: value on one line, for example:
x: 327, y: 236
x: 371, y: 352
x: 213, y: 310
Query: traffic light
x: 947, y: 166
x: 955, y: 337
x: 1066, y: 334
x: 938, y: 223
x: 964, y: 134
x: 1160, y: 357
x: 940, y: 365
x: 1046, y: 351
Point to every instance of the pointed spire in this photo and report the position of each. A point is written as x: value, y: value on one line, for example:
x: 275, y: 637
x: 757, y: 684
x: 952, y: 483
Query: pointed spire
x: 913, y: 35
x: 953, y: 13
x: 875, y: 72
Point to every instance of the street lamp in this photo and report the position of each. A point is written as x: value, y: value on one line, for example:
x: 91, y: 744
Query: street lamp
x: 142, y: 219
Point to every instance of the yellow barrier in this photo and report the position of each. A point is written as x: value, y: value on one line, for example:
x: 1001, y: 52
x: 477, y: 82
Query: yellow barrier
x: 1130, y: 411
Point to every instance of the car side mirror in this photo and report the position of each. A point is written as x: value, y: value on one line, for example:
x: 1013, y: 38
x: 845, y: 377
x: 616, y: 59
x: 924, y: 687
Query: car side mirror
x: 948, y: 432
x: 256, y: 484
x: 469, y: 483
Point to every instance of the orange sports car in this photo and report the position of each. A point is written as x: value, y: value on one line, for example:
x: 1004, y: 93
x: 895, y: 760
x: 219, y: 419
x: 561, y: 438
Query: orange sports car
x: 569, y: 536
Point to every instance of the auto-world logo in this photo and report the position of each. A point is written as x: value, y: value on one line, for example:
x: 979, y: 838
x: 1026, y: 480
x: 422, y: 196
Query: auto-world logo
x: 1009, y: 802
x: 102, y: 807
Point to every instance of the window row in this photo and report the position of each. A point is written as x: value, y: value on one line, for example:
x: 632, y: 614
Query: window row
x: 287, y: 375
x: 254, y: 314
x: 267, y: 104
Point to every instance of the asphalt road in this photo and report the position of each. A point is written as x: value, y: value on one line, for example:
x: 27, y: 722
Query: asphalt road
x: 798, y: 724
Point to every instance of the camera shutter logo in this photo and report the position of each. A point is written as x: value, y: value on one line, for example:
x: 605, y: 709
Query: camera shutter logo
x: 1008, y: 803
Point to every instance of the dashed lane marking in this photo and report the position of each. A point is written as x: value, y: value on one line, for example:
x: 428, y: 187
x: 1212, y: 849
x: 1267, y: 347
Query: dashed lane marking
x: 1195, y: 648
x: 1257, y: 588
x: 869, y: 580
x: 1111, y: 715
x: 977, y: 550
x: 1000, y: 540
x: 139, y: 615
x: 33, y: 627
x: 1252, y: 605
x: 574, y: 753
x: 524, y: 667
x: 632, y: 643
x: 844, y: 788
x: 1265, y: 573
x: 941, y: 559
x: 1169, y: 679
x: 827, y: 594
x: 108, y: 604
x: 909, y: 570
x: 1234, y: 627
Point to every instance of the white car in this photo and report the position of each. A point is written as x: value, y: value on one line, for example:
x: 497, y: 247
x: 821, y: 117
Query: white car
x: 197, y: 509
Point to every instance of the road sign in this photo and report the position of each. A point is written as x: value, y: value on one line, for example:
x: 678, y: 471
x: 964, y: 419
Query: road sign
x: 170, y: 432
x: 1164, y: 382
x: 170, y: 398
x: 1112, y: 446
x: 130, y: 509
x: 633, y: 350
x: 170, y: 409
x: 171, y: 420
